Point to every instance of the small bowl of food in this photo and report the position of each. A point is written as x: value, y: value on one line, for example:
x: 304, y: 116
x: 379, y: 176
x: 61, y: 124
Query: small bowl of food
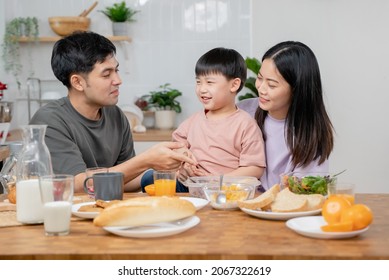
x: 196, y: 185
x: 308, y: 182
x: 227, y: 197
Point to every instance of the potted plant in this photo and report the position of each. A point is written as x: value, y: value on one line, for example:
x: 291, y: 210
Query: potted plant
x: 120, y: 15
x: 14, y: 30
x: 254, y: 65
x: 163, y: 102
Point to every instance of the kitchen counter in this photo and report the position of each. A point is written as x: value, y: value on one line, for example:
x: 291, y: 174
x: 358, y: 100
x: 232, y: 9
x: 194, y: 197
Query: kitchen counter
x: 219, y: 235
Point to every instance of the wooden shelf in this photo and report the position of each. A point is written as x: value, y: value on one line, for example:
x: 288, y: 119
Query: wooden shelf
x: 153, y: 135
x: 56, y: 38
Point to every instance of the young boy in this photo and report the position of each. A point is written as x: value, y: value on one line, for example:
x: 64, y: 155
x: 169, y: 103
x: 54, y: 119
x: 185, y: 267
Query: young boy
x: 222, y: 138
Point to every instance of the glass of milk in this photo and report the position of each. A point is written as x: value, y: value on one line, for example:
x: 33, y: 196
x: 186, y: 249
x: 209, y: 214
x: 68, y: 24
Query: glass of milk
x: 57, y: 197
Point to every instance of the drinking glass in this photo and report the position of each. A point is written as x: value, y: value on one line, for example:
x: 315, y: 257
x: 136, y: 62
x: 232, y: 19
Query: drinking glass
x: 165, y: 182
x: 344, y: 189
x: 57, y: 197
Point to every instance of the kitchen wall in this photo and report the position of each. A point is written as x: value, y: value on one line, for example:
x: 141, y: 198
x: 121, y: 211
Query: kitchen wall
x: 351, y: 42
x: 349, y: 38
x: 167, y: 39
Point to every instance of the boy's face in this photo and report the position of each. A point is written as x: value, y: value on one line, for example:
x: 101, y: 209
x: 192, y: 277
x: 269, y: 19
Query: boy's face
x: 217, y: 93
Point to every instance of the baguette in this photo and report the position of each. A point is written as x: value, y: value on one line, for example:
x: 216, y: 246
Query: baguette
x: 261, y: 201
x: 144, y: 210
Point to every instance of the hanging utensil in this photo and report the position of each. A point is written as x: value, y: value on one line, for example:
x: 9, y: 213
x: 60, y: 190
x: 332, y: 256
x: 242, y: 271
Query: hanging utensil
x: 86, y: 12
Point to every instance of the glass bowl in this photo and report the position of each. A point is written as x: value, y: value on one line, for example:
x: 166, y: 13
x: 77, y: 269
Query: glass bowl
x: 227, y: 197
x: 307, y: 182
x: 196, y: 185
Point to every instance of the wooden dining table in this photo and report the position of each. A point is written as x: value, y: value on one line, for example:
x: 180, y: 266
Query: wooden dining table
x: 220, y: 234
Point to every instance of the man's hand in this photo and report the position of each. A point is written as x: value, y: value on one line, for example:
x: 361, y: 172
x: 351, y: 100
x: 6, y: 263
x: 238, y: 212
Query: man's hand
x: 168, y: 156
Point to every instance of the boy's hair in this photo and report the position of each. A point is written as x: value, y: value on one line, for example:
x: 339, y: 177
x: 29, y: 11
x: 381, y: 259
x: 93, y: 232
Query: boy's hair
x: 78, y: 53
x: 227, y: 62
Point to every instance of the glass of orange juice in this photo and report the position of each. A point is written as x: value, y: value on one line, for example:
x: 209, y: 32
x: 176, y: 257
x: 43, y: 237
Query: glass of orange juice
x: 165, y: 182
x: 344, y: 189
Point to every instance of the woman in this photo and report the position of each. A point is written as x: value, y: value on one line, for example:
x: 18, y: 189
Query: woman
x: 297, y: 131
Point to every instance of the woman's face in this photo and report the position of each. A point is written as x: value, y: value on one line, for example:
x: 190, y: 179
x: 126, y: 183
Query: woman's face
x: 274, y: 92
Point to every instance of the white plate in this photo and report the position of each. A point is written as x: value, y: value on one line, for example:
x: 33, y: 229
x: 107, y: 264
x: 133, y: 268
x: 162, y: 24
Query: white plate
x: 197, y: 202
x: 268, y: 215
x: 156, y: 230
x: 85, y: 215
x: 310, y: 227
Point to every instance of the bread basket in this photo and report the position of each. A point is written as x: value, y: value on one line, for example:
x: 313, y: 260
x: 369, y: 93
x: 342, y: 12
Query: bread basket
x: 66, y: 25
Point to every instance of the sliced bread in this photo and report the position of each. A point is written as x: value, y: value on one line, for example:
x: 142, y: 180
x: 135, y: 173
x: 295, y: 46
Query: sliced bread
x: 262, y: 200
x: 286, y: 201
x: 315, y: 201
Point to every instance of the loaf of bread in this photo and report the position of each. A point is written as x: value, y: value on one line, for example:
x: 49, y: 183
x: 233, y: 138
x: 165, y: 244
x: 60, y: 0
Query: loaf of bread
x: 283, y: 201
x: 145, y: 210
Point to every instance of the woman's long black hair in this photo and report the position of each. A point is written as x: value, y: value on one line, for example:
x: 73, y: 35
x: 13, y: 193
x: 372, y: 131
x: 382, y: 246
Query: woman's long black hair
x: 309, y: 131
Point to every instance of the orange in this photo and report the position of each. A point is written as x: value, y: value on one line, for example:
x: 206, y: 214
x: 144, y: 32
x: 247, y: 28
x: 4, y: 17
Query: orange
x: 333, y: 207
x: 349, y: 197
x: 338, y: 227
x: 359, y: 215
x: 150, y: 189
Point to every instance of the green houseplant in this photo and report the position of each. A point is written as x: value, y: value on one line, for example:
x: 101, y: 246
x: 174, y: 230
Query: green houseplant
x: 119, y: 12
x: 254, y: 65
x: 15, y: 29
x: 120, y: 15
x: 163, y: 99
x: 163, y: 102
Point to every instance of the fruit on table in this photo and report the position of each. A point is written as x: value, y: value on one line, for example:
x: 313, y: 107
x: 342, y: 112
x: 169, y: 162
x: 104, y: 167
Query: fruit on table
x: 150, y: 189
x: 333, y: 207
x: 342, y: 216
x: 349, y: 197
x: 359, y: 215
x: 338, y: 227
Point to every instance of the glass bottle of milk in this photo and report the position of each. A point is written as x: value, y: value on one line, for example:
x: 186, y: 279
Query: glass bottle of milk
x: 34, y: 161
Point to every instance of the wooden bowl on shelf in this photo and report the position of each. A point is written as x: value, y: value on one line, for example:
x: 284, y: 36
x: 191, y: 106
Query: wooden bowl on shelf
x: 64, y: 26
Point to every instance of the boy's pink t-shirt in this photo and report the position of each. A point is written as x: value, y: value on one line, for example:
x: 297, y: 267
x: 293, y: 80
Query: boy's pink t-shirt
x: 221, y: 146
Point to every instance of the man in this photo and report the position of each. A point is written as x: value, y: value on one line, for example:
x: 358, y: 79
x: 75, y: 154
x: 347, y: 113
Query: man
x: 86, y: 128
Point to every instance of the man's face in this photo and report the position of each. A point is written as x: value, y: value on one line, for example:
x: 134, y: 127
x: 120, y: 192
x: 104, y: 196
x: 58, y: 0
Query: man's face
x: 102, y: 84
